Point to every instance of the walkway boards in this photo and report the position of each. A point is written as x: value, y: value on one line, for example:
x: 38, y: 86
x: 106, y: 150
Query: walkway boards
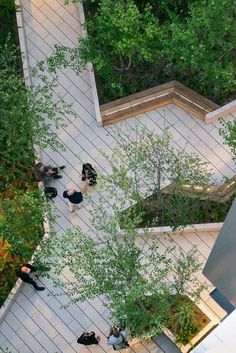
x: 36, y: 323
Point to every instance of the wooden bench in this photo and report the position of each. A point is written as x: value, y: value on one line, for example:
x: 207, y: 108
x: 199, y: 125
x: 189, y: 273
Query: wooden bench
x: 155, y: 97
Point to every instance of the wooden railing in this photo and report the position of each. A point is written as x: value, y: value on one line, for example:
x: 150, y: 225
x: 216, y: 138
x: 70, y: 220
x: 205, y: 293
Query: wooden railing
x: 171, y: 92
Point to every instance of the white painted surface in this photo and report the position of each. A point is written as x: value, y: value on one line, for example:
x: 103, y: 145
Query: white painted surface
x: 207, y: 227
x: 222, y: 339
x: 91, y: 73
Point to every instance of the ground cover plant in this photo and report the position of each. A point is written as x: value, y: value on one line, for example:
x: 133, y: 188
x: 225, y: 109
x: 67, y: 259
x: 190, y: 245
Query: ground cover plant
x: 199, y: 210
x: 135, y: 45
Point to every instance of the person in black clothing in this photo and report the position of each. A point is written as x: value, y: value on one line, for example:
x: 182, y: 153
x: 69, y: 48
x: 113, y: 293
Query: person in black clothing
x: 88, y: 338
x: 75, y: 197
x: 24, y: 275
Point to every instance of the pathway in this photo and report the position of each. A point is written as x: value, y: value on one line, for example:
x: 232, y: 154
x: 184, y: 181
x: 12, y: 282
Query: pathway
x: 36, y: 323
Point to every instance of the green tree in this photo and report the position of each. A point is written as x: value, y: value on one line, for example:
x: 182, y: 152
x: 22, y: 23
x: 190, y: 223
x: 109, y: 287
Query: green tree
x: 228, y: 131
x: 135, y: 283
x: 120, y: 37
x: 200, y: 50
x: 28, y: 115
x: 146, y: 165
x: 191, y: 41
x: 112, y: 261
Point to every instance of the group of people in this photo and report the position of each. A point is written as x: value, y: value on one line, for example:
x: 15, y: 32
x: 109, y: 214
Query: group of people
x: 116, y: 338
x: 117, y: 335
x: 47, y: 173
x: 28, y: 274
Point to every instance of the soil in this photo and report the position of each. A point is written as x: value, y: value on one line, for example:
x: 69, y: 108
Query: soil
x: 200, y: 319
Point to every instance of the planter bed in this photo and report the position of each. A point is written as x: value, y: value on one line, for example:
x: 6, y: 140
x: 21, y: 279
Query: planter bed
x: 185, y: 327
x: 156, y: 216
x: 201, y: 320
x: 210, y: 324
x: 147, y: 76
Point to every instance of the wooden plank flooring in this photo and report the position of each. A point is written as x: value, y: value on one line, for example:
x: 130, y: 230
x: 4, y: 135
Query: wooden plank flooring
x: 36, y: 323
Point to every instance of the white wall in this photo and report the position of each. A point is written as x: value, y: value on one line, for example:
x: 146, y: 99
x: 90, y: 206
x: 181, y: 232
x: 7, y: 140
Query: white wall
x: 222, y: 339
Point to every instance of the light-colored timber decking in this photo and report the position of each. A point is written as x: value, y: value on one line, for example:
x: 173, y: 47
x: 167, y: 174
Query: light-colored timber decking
x: 36, y: 323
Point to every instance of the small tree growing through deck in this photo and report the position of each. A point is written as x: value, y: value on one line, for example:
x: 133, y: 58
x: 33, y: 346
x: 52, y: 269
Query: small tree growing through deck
x: 138, y: 279
x: 149, y: 164
x: 134, y: 282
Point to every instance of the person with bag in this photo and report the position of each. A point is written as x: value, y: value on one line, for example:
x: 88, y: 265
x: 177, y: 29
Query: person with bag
x: 50, y: 193
x: 88, y: 338
x: 75, y: 197
x: 46, y: 173
x: 24, y: 274
x: 117, y: 338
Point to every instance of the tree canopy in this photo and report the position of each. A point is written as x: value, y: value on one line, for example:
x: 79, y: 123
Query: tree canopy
x: 28, y: 115
x: 139, y: 279
x: 135, y: 45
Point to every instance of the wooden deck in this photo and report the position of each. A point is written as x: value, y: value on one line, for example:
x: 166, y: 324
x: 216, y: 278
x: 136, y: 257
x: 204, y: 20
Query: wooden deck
x: 36, y: 323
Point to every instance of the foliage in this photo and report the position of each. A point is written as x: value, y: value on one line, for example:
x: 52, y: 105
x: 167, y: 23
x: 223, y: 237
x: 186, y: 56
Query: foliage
x: 27, y: 209
x: 200, y: 50
x: 168, y: 9
x: 21, y: 230
x: 8, y: 21
x: 228, y: 131
x: 182, y: 321
x: 135, y: 45
x: 205, y: 210
x: 118, y: 31
x: 114, y: 265
x: 126, y: 36
x: 7, y: 280
x: 28, y: 115
x: 146, y: 164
